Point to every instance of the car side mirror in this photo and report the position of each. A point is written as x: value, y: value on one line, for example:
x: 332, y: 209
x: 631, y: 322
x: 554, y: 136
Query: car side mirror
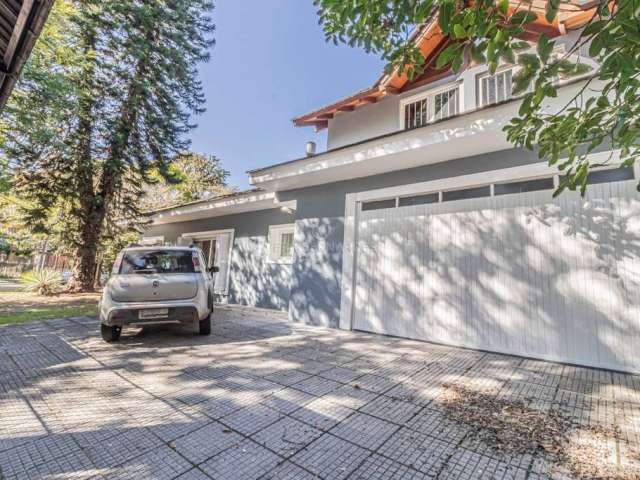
x: 214, y: 269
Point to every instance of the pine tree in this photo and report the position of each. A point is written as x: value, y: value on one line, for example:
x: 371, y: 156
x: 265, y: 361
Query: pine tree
x: 110, y: 103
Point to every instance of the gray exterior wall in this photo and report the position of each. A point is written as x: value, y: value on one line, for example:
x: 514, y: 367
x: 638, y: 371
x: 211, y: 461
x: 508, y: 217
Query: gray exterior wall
x: 253, y: 280
x: 317, y: 265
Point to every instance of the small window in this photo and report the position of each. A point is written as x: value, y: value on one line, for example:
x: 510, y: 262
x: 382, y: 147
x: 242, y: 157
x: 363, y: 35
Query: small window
x: 418, y: 200
x: 281, y: 238
x: 619, y: 174
x: 495, y: 88
x: 286, y: 245
x: 415, y: 114
x: 525, y: 186
x: 379, y: 204
x: 431, y: 107
x: 475, y: 192
x: 445, y: 104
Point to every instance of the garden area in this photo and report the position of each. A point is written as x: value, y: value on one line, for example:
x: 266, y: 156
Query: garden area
x: 41, y: 297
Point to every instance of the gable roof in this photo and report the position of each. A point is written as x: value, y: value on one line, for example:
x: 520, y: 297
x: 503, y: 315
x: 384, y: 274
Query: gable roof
x: 431, y: 41
x: 21, y: 22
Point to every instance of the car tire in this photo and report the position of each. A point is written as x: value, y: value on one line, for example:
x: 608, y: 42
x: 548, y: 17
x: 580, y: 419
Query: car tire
x: 204, y: 326
x: 110, y: 334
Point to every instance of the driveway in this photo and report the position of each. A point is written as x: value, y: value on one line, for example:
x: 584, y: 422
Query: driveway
x: 263, y: 398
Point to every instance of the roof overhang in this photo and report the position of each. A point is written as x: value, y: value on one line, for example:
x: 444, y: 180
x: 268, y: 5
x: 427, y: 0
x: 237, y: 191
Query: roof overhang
x: 431, y: 41
x: 242, y: 202
x: 21, y: 22
x: 472, y: 133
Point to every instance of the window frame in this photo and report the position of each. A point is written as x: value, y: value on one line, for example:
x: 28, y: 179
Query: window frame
x: 486, y: 74
x: 275, y: 241
x: 430, y: 96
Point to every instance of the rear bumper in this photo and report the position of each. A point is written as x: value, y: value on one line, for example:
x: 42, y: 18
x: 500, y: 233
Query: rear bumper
x: 121, y: 314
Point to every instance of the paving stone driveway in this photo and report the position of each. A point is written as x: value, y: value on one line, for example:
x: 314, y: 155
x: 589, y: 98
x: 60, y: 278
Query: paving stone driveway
x: 262, y: 398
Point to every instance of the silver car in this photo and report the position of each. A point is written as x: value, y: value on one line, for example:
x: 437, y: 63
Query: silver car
x: 157, y: 285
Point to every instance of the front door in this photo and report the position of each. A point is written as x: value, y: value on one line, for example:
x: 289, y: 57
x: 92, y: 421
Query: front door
x: 216, y: 247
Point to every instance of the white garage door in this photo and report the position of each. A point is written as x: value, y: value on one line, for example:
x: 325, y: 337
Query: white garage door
x: 516, y: 273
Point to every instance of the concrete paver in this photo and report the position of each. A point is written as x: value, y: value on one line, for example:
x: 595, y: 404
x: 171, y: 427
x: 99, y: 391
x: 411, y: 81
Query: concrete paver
x: 262, y: 398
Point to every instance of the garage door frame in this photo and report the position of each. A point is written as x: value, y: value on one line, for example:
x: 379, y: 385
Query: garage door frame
x: 354, y: 200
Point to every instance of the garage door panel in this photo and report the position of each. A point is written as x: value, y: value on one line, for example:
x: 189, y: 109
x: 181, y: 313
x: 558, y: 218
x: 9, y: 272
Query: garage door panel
x: 523, y: 274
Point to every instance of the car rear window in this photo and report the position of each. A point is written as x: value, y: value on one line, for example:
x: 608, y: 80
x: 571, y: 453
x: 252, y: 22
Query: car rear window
x: 157, y: 261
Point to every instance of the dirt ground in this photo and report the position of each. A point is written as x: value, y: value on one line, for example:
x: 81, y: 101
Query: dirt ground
x: 13, y: 302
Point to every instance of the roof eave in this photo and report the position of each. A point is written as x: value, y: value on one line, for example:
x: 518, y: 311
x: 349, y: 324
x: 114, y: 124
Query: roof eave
x: 31, y: 20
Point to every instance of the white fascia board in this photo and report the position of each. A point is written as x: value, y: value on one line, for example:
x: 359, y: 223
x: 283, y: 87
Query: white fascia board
x: 472, y: 133
x: 250, y: 202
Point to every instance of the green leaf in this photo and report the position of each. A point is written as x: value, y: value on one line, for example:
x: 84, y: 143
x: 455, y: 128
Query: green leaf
x: 447, y: 10
x: 594, y: 27
x: 522, y: 17
x: 521, y: 45
x: 597, y: 44
x: 503, y: 6
x: 459, y: 31
x: 477, y: 54
x: 448, y: 54
x: 551, y: 10
x: 545, y: 47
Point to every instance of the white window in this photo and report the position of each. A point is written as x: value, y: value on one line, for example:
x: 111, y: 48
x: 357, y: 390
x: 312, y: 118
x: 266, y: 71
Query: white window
x: 430, y: 107
x: 281, y: 243
x: 495, y: 88
x: 445, y: 104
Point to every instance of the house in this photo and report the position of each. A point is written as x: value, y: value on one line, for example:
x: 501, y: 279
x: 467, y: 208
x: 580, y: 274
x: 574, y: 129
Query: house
x: 421, y: 220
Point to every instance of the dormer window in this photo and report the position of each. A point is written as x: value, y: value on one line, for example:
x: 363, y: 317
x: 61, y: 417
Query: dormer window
x: 495, y: 88
x: 430, y: 107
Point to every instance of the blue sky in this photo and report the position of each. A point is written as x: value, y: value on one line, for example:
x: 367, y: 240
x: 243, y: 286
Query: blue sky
x: 270, y: 64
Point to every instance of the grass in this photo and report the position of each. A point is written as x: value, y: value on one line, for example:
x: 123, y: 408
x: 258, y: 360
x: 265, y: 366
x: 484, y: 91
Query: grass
x: 47, y: 313
x: 20, y: 307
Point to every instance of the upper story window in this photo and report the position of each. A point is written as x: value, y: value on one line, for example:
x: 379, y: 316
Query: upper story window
x: 431, y: 107
x: 495, y: 88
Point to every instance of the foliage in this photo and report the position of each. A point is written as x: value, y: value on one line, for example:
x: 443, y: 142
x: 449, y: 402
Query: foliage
x: 105, y: 101
x: 606, y: 110
x: 43, y: 282
x: 16, y: 236
x: 199, y: 177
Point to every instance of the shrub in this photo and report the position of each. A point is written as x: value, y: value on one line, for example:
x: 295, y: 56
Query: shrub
x: 43, y: 282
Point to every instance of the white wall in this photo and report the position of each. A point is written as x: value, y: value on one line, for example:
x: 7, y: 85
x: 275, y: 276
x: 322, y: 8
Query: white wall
x: 373, y: 120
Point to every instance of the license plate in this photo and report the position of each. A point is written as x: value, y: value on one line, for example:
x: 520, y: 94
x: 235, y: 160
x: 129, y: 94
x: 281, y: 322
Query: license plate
x: 153, y: 313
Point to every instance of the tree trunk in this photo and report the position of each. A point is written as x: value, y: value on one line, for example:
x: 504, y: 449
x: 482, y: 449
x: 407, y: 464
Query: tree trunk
x: 85, y: 265
x: 90, y: 219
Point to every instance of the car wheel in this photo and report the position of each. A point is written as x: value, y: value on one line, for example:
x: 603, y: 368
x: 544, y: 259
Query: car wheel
x: 204, y: 326
x: 110, y: 334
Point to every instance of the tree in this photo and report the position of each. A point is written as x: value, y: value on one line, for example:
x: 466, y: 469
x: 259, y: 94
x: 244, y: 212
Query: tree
x: 489, y: 31
x: 105, y: 100
x: 199, y: 177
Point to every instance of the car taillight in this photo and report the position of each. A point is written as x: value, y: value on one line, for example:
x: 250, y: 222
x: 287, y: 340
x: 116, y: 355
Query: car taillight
x: 196, y: 261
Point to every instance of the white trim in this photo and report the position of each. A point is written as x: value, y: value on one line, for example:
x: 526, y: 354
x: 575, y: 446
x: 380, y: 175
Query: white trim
x: 240, y: 203
x: 488, y: 74
x: 352, y: 201
x: 152, y: 241
x: 206, y: 235
x: 211, y: 235
x: 285, y: 228
x: 474, y: 132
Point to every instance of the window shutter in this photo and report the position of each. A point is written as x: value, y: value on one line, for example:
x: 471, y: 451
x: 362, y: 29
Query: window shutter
x: 275, y: 245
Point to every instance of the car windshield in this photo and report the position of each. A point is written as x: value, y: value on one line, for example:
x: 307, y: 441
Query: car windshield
x: 157, y: 261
